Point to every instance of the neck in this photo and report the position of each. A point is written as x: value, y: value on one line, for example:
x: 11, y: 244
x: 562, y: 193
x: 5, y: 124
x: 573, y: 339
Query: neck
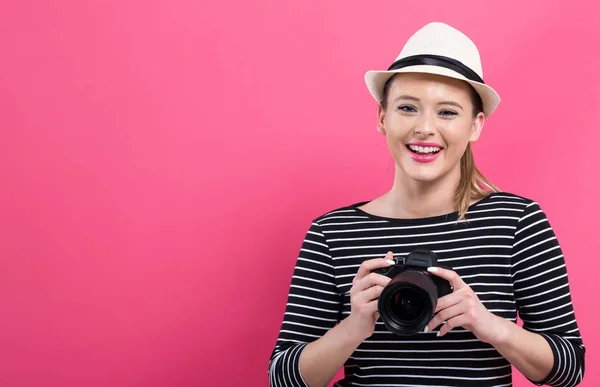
x: 415, y: 199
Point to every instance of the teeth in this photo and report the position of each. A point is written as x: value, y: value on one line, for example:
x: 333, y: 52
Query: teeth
x: 424, y: 149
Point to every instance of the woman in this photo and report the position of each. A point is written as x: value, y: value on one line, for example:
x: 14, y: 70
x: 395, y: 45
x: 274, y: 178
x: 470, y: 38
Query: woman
x: 503, y: 254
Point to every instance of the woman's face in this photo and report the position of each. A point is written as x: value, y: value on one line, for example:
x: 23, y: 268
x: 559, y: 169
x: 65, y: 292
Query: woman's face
x: 428, y: 123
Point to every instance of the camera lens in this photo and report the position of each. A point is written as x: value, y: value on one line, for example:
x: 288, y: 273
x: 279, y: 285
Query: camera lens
x: 407, y: 304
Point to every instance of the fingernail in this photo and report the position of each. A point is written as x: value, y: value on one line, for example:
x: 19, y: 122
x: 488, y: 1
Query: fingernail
x: 438, y: 334
x: 432, y: 269
x: 426, y: 329
x: 390, y: 262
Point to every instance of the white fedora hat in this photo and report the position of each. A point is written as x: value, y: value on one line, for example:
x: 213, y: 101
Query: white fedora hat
x: 439, y: 49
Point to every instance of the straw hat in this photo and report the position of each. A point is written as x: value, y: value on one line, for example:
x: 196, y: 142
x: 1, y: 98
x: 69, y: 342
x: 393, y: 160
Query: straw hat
x: 440, y: 49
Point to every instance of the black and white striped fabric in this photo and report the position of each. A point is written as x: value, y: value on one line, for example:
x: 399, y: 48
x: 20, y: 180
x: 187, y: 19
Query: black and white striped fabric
x: 506, y: 252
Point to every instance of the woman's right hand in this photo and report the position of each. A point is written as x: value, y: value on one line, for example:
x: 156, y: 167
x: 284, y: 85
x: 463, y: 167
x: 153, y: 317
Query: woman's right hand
x: 366, y: 288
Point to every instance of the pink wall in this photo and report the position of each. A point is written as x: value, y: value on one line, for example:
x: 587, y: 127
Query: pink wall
x: 162, y: 160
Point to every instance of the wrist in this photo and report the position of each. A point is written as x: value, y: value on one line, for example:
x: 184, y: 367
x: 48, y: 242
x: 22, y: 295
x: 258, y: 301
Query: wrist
x: 353, y: 330
x: 500, y: 331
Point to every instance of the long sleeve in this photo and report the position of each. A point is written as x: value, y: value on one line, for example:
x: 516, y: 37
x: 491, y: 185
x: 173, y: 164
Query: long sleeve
x: 543, y: 295
x: 313, y: 307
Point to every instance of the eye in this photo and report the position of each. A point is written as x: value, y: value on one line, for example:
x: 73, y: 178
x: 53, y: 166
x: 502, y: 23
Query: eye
x: 407, y: 108
x: 448, y: 113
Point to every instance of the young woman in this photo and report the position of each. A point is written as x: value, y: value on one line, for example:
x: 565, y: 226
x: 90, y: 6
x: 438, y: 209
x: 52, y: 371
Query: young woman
x: 501, y: 254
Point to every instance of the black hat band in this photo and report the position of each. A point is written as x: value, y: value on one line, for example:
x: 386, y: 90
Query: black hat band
x: 437, y: 60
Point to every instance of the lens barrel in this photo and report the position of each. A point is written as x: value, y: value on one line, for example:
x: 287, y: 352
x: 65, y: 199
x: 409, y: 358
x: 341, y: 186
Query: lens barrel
x: 407, y: 302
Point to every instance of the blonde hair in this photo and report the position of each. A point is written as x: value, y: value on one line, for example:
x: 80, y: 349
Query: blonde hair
x: 472, y: 185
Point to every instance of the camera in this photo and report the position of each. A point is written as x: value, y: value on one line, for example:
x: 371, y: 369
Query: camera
x: 407, y: 302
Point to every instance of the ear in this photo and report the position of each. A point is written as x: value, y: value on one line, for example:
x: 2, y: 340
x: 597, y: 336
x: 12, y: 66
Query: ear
x: 380, y: 120
x: 477, y: 126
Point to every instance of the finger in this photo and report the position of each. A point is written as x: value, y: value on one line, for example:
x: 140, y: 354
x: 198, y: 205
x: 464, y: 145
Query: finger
x: 447, y: 301
x: 455, y: 322
x: 367, y: 266
x: 368, y: 309
x: 372, y: 307
x: 449, y: 275
x: 369, y: 294
x: 445, y: 315
x: 370, y: 280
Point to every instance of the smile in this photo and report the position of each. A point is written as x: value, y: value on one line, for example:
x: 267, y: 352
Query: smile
x: 424, y: 149
x: 424, y: 154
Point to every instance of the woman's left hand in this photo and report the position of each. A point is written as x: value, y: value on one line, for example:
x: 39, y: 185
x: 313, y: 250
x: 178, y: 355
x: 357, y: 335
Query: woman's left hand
x: 462, y: 308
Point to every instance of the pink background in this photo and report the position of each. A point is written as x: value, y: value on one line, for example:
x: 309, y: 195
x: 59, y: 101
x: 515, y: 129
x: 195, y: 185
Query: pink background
x: 162, y: 160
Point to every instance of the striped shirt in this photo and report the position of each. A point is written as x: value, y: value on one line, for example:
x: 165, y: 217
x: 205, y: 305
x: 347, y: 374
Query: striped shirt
x: 506, y: 251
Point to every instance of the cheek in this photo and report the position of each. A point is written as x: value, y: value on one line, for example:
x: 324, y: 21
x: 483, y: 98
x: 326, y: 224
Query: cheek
x: 398, y: 128
x: 456, y: 137
x: 454, y: 153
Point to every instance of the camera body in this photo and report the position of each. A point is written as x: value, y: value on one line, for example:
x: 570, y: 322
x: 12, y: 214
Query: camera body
x: 407, y: 302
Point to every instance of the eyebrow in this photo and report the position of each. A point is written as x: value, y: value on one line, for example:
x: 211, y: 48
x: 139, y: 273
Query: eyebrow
x: 411, y: 98
x: 452, y: 103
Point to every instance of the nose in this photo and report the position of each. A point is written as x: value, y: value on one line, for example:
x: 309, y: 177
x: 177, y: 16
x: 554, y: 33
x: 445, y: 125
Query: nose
x: 426, y: 125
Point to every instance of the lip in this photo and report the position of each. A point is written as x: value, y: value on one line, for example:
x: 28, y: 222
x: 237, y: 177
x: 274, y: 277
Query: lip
x: 426, y: 158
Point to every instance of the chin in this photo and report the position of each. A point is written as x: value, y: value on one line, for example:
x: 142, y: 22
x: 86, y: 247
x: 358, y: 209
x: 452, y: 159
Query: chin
x: 423, y: 175
x: 422, y: 172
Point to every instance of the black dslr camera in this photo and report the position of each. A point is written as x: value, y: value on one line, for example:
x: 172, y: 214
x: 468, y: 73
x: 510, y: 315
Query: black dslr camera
x: 407, y: 302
